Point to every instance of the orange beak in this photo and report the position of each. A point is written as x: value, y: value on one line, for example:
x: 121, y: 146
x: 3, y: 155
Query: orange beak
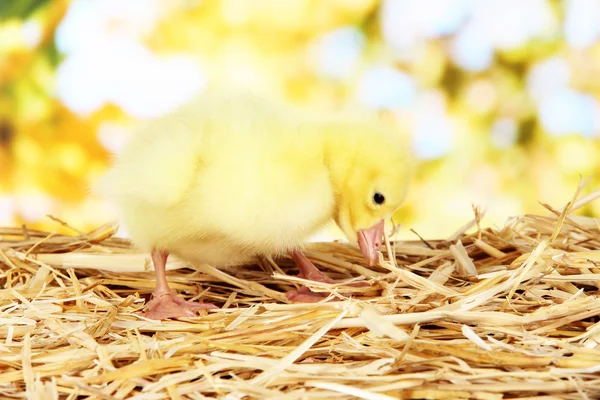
x: 369, y: 242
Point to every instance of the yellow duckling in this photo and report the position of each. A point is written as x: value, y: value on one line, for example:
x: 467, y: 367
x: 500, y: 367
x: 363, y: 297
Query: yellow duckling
x: 229, y: 177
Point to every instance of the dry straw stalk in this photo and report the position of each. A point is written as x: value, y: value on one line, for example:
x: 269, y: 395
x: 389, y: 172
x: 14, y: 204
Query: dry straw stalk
x: 509, y: 313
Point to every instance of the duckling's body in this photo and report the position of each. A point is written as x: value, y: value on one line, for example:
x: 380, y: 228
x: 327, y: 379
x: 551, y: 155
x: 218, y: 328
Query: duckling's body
x: 227, y: 178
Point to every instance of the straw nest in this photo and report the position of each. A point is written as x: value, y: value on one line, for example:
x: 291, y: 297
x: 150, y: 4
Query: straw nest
x: 495, y: 314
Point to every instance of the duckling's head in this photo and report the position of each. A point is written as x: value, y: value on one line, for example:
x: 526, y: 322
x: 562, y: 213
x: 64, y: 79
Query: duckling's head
x: 370, y: 167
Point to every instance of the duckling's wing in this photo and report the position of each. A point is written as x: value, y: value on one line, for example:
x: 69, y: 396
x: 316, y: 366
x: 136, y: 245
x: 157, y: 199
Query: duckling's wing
x: 158, y: 164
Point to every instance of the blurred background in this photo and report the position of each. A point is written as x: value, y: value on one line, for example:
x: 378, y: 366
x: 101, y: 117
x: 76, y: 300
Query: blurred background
x: 501, y: 97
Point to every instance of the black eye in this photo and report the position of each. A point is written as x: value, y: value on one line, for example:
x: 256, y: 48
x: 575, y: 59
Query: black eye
x: 378, y: 198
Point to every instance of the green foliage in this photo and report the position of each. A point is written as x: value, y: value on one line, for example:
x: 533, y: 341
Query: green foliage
x: 21, y: 9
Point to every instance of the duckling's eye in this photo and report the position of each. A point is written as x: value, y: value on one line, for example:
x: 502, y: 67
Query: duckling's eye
x: 378, y: 198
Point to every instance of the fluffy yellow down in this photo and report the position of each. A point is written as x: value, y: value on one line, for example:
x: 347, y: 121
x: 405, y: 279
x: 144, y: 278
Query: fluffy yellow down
x: 228, y: 177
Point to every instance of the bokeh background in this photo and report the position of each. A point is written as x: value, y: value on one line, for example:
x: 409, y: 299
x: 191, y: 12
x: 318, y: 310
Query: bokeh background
x: 501, y: 97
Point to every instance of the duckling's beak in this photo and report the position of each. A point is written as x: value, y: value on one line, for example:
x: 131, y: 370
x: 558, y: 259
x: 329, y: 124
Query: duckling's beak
x: 369, y: 242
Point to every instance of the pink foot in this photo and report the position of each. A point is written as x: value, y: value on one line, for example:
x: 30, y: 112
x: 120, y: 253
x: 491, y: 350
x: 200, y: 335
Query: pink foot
x: 310, y: 272
x: 304, y: 295
x: 168, y: 305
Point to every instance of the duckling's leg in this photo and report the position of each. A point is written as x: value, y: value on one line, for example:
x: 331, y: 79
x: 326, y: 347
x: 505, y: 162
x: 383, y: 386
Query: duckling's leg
x: 307, y: 271
x: 165, y: 303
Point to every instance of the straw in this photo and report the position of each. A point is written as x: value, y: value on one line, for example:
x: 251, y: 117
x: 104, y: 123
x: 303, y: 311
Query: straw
x: 490, y: 313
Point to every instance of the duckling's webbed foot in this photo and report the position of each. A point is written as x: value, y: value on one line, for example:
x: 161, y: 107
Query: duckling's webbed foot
x: 165, y: 303
x: 168, y: 305
x: 307, y: 271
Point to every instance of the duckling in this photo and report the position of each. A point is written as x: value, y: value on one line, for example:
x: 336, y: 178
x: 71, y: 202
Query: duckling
x: 228, y: 177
